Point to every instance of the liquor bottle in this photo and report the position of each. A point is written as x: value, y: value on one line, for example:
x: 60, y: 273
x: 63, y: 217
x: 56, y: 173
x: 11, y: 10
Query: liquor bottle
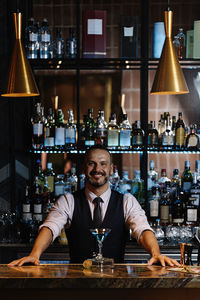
x: 152, y: 135
x: 177, y: 207
x: 195, y: 189
x: 37, y: 204
x: 73, y: 180
x: 45, y: 40
x: 197, y: 170
x: 38, y: 128
x: 163, y: 179
x: 137, y: 135
x: 114, y: 179
x: 70, y: 131
x: 26, y: 206
x: 152, y: 175
x: 181, y: 46
x: 168, y: 136
x: 192, y: 139
x: 59, y: 185
x: 71, y: 44
x: 164, y: 206
x: 90, y: 129
x: 49, y: 131
x: 125, y: 184
x: 175, y: 182
x: 46, y: 200
x: 50, y: 176
x: 125, y: 133
x: 82, y: 181
x: 82, y: 133
x: 101, y: 129
x: 159, y: 233
x: 137, y: 189
x: 191, y: 212
x: 161, y: 128
x: 180, y: 132
x: 113, y: 133
x: 58, y: 45
x: 154, y: 204
x: 31, y: 39
x: 59, y: 131
x: 187, y: 177
x: 39, y: 174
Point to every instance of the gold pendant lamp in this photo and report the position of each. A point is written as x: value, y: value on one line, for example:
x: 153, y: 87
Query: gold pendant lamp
x: 169, y: 78
x: 20, y: 82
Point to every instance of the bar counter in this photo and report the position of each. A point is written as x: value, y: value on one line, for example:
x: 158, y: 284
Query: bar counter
x: 70, y: 280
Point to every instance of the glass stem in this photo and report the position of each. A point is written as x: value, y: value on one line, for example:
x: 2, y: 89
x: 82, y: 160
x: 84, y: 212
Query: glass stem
x: 100, y: 248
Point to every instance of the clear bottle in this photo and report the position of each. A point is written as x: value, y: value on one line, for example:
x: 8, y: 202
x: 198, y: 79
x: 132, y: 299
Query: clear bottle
x: 59, y: 130
x: 125, y: 133
x: 137, y: 135
x: 45, y: 40
x: 163, y: 179
x: 70, y: 131
x: 71, y: 44
x: 181, y: 47
x: 73, y: 179
x: 154, y: 203
x: 58, y: 45
x: 125, y: 184
x: 180, y: 132
x: 114, y: 179
x: 192, y: 139
x: 159, y: 233
x: 152, y: 135
x: 187, y: 177
x: 101, y: 129
x: 38, y: 128
x: 59, y: 185
x: 49, y: 131
x: 168, y: 135
x: 113, y: 133
x: 90, y: 129
x: 31, y: 39
x: 152, y: 175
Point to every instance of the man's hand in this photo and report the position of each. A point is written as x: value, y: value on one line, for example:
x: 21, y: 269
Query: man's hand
x: 163, y: 260
x: 24, y: 260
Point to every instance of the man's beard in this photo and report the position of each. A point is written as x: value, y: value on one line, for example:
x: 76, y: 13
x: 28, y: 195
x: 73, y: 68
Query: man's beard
x: 96, y: 183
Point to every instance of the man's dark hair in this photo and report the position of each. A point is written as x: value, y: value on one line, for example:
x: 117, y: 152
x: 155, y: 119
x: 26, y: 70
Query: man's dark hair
x: 97, y: 147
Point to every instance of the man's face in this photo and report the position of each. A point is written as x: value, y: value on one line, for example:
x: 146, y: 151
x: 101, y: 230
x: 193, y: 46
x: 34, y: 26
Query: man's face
x: 98, y: 167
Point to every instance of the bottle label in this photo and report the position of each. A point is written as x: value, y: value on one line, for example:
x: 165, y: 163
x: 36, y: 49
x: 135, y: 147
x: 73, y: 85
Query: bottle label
x: 137, y: 140
x: 70, y: 136
x: 154, y: 208
x: 152, y: 140
x: 178, y: 220
x: 168, y: 140
x: 125, y: 138
x: 37, y: 217
x: 50, y: 180
x: 26, y: 216
x: 26, y: 208
x: 101, y: 132
x: 113, y: 138
x: 37, y: 208
x: 59, y: 189
x: 192, y: 214
x: 38, y: 129
x: 33, y: 37
x: 187, y: 186
x: 180, y: 136
x: 49, y: 142
x: 60, y: 136
x: 45, y: 37
x: 164, y: 213
x: 89, y: 143
x: 192, y: 141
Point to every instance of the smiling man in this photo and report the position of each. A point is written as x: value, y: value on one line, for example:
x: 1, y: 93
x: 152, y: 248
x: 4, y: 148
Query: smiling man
x: 96, y: 206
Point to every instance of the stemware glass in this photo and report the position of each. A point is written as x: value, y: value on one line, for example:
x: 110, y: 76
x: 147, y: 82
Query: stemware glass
x: 99, y: 260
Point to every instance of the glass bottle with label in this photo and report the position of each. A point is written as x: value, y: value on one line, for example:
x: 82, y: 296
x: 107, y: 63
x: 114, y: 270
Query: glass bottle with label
x: 181, y: 45
x: 71, y: 44
x: 192, y: 139
x: 59, y: 185
x: 26, y: 206
x: 82, y: 134
x: 50, y: 176
x: 152, y: 135
x: 187, y: 177
x: 191, y: 212
x: 58, y: 45
x: 113, y: 133
x: 49, y: 131
x: 101, y: 129
x: 138, y: 188
x: 73, y: 179
x: 37, y: 204
x: 90, y: 129
x: 137, y: 135
x: 152, y: 175
x: 31, y: 39
x: 38, y: 128
x: 125, y: 133
x: 70, y: 131
x: 59, y: 131
x: 168, y: 135
x: 45, y: 40
x: 163, y: 179
x: 154, y: 202
x: 195, y: 189
x: 180, y: 132
x: 177, y: 208
x: 164, y: 206
x: 125, y: 184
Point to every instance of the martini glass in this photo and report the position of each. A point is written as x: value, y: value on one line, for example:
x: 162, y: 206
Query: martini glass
x: 99, y: 260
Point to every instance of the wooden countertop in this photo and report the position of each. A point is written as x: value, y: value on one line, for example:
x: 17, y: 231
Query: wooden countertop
x: 75, y: 276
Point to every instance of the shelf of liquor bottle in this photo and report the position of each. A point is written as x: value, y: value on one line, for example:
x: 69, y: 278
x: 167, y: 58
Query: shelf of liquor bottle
x: 104, y: 63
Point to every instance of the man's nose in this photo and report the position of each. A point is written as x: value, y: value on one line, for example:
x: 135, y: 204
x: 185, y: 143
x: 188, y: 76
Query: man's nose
x: 97, y: 167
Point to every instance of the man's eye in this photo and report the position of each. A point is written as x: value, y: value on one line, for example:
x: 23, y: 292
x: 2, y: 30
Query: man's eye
x: 90, y: 163
x: 103, y: 163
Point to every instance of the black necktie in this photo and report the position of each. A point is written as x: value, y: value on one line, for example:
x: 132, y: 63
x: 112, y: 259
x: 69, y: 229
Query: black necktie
x: 97, y: 219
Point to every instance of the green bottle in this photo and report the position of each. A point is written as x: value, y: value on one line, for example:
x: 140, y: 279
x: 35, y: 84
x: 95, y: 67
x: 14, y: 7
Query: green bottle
x: 187, y: 178
x: 90, y: 129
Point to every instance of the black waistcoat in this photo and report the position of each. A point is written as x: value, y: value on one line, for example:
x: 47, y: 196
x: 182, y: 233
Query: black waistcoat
x: 82, y: 244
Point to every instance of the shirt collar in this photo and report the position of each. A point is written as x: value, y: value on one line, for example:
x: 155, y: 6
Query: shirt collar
x: 105, y: 196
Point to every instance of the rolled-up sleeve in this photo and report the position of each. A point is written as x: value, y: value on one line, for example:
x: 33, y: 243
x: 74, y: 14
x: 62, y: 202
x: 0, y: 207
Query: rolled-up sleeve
x: 59, y: 215
x: 135, y: 216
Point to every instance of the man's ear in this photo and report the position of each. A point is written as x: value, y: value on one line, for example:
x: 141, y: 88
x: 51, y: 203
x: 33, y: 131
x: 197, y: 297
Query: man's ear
x: 111, y: 169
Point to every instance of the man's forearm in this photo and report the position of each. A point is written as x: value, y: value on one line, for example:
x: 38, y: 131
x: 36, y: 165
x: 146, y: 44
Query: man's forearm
x: 149, y: 242
x: 42, y: 242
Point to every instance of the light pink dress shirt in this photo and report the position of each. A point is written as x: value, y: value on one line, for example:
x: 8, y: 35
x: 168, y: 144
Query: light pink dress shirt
x: 62, y: 212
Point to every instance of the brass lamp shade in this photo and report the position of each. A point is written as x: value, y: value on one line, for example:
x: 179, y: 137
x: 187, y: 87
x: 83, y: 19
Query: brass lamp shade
x: 169, y: 77
x: 20, y: 82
